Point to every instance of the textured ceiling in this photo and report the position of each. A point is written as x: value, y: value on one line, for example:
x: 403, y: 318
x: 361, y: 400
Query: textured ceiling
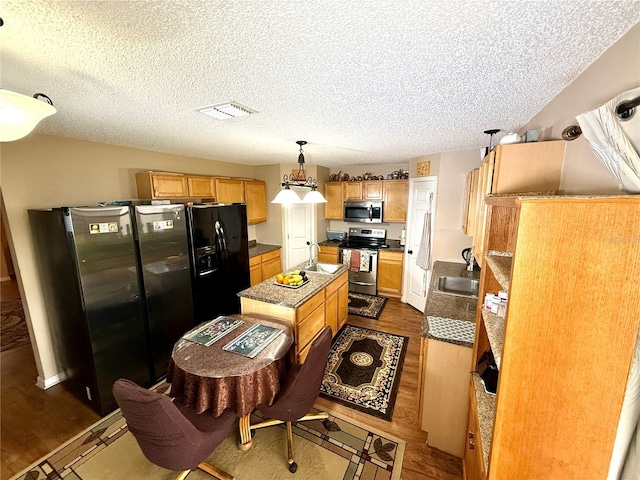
x: 364, y: 82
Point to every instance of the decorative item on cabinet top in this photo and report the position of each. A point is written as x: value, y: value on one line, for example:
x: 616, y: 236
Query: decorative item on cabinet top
x: 344, y: 177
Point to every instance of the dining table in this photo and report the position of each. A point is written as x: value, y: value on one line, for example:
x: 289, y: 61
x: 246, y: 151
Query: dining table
x: 228, y: 373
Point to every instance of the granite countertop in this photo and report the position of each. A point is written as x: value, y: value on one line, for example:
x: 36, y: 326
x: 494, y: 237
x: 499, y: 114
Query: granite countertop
x: 449, y: 318
x: 270, y: 292
x: 256, y: 249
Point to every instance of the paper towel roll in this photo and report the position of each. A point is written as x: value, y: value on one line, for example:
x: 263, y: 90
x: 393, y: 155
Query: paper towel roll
x: 402, y: 237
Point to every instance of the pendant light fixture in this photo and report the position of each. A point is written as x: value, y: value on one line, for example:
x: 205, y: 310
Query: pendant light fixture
x: 288, y: 196
x: 19, y: 114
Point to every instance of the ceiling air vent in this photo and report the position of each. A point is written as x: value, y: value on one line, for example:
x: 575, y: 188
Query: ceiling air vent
x: 225, y: 110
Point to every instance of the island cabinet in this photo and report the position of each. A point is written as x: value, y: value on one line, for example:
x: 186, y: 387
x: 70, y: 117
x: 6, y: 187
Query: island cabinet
x: 565, y: 347
x: 390, y: 273
x: 518, y: 168
x: 322, y: 301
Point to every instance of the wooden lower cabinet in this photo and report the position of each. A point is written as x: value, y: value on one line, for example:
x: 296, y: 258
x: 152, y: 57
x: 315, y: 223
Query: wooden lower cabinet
x: 390, y: 267
x: 264, y: 266
x: 326, y: 307
x: 329, y: 254
x: 473, y: 464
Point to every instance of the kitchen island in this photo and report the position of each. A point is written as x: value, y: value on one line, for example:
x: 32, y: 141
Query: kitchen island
x: 319, y: 302
x: 446, y: 350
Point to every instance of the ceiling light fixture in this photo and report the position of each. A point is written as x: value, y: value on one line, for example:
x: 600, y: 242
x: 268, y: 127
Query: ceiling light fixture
x: 222, y: 111
x: 288, y: 196
x: 19, y: 114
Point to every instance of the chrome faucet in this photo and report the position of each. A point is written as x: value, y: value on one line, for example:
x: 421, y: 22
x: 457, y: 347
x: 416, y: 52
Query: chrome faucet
x: 310, y: 262
x: 472, y: 262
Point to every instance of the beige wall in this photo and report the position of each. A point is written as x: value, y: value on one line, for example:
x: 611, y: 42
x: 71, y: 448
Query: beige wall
x: 44, y: 171
x: 451, y: 169
x: 616, y: 71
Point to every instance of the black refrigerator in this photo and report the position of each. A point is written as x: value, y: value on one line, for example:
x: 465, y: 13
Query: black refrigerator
x: 219, y: 252
x: 117, y: 288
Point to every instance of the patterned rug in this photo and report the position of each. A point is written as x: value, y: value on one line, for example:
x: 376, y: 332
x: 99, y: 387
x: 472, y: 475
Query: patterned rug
x: 332, y: 449
x: 368, y: 306
x: 364, y: 368
x: 13, y: 327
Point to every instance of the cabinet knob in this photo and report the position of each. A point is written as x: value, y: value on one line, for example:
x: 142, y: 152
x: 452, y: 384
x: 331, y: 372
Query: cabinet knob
x: 470, y: 435
x: 472, y: 446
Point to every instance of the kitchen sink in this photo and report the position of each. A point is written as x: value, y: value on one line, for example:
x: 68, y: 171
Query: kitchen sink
x: 326, y: 268
x: 466, y: 287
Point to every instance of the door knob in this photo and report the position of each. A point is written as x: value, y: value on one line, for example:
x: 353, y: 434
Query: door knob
x: 410, y: 252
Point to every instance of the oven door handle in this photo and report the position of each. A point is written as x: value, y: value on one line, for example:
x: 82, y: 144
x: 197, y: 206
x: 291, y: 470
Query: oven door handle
x: 365, y: 284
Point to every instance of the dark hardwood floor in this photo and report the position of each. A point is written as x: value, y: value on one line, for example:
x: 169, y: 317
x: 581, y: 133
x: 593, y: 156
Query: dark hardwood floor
x: 33, y: 422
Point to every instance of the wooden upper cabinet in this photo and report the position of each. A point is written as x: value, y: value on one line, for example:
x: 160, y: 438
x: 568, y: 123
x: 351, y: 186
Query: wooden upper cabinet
x: 230, y: 190
x: 469, y: 201
x: 351, y: 191
x: 161, y: 185
x: 200, y: 186
x: 255, y: 196
x: 396, y: 194
x: 333, y: 207
x: 372, y: 190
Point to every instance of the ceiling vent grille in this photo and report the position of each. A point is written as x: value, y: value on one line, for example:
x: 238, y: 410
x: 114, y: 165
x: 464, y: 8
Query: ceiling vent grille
x: 225, y: 110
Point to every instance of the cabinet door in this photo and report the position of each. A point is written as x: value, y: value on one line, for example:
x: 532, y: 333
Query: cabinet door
x: 255, y: 274
x: 469, y: 201
x: 161, y: 185
x: 255, y: 195
x: 372, y: 190
x: 331, y: 312
x: 329, y: 254
x: 469, y: 461
x: 343, y: 303
x: 396, y: 193
x: 352, y: 191
x: 201, y: 187
x: 333, y: 207
x: 229, y: 190
x: 271, y: 264
x: 390, y: 273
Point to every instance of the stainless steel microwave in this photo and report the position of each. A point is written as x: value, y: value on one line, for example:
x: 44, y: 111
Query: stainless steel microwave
x: 363, y: 211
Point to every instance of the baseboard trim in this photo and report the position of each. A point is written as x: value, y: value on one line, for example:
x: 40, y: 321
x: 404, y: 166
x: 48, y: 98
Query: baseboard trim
x: 51, y: 381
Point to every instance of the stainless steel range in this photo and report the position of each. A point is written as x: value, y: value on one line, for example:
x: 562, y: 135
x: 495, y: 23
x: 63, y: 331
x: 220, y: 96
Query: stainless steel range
x: 360, y: 254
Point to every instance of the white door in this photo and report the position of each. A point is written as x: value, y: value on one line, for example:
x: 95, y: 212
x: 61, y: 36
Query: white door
x: 299, y: 228
x: 422, y: 202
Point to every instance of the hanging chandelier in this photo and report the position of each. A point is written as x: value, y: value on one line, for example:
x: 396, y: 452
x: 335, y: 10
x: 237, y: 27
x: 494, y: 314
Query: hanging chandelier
x: 19, y: 114
x: 299, y: 179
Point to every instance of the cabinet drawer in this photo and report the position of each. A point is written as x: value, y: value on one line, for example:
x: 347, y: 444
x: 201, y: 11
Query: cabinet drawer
x: 308, y: 307
x: 335, y: 285
x: 270, y: 255
x: 253, y: 261
x: 302, y: 354
x: 310, y: 326
x: 389, y: 256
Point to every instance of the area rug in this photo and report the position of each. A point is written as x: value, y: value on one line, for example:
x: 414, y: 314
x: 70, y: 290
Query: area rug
x: 363, y: 370
x: 13, y: 326
x: 332, y: 449
x: 368, y: 306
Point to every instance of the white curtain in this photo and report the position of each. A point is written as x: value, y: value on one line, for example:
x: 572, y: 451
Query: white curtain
x: 614, y: 141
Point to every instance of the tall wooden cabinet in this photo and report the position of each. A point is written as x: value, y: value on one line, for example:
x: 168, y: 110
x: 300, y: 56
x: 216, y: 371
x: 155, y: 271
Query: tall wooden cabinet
x: 517, y: 168
x: 570, y: 267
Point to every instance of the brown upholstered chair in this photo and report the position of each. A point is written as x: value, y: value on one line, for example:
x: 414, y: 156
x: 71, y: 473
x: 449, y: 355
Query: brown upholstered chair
x: 170, y: 434
x: 299, y: 392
